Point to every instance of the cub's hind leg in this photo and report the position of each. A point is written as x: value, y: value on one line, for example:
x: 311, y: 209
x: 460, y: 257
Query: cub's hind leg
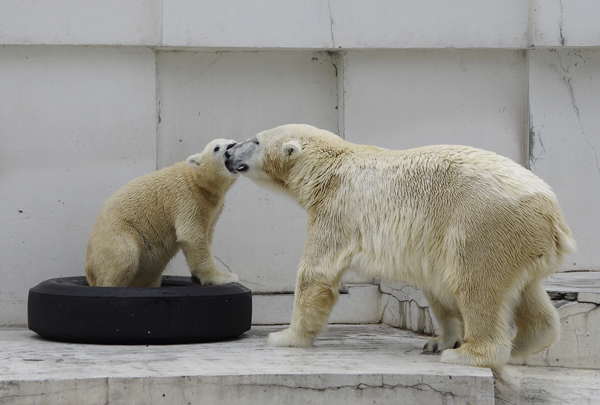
x: 112, y: 264
x: 537, y: 321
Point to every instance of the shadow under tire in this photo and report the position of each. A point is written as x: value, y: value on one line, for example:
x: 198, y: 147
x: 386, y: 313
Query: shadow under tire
x: 67, y: 309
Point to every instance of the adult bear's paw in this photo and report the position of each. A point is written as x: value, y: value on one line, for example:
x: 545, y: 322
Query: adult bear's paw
x: 288, y: 338
x: 439, y: 344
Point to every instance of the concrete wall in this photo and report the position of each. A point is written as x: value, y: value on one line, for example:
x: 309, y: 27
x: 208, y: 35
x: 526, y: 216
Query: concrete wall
x: 95, y: 94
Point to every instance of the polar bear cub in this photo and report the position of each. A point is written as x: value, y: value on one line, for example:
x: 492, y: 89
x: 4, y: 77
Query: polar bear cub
x: 476, y: 231
x: 145, y: 223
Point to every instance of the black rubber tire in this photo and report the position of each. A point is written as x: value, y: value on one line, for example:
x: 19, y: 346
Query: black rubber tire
x: 180, y: 311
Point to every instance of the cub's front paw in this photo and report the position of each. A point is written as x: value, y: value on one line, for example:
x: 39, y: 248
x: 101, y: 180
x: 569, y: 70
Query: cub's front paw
x: 287, y: 338
x: 218, y: 279
x: 230, y: 278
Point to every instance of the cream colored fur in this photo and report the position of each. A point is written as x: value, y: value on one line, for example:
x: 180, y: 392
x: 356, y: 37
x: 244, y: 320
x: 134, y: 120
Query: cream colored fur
x: 144, y: 223
x: 476, y: 231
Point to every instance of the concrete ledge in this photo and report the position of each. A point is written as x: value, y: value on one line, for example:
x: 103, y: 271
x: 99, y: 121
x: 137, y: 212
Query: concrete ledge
x: 350, y: 364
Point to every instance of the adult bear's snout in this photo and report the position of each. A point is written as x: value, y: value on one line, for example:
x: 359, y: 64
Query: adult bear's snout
x: 227, y: 154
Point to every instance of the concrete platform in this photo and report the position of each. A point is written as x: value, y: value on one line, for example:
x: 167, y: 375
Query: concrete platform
x: 351, y: 364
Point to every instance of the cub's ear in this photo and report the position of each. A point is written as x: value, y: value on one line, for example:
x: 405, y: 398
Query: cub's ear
x: 292, y: 149
x: 194, y: 161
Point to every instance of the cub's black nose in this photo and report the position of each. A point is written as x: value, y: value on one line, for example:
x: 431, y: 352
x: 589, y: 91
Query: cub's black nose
x: 231, y: 145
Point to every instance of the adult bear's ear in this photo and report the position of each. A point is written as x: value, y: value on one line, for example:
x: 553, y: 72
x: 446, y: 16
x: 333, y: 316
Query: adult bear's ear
x: 194, y: 161
x: 292, y: 149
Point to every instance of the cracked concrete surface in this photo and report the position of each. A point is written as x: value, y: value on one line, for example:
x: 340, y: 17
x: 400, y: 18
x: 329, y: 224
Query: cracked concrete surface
x: 331, y: 24
x: 406, y: 307
x: 349, y: 364
x: 560, y: 24
x: 546, y: 385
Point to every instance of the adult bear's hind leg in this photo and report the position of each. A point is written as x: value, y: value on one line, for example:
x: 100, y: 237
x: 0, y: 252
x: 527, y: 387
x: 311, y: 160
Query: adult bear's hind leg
x: 537, y: 321
x: 486, y: 312
x: 112, y: 263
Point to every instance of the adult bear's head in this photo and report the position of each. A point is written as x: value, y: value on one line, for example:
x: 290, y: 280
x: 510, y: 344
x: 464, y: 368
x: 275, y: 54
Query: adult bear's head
x: 285, y: 155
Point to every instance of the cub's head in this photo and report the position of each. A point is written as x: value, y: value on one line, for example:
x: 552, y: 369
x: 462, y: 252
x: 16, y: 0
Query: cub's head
x: 270, y: 157
x: 212, y: 158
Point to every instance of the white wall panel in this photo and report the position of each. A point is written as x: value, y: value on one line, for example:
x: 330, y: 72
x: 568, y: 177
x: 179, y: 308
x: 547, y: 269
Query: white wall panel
x: 565, y: 135
x: 240, y: 23
x: 429, y: 24
x: 207, y: 95
x: 77, y: 22
x: 407, y: 98
x: 568, y: 23
x: 347, y: 24
x: 75, y: 124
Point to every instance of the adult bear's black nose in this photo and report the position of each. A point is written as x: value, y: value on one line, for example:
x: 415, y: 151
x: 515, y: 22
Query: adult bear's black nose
x: 227, y: 154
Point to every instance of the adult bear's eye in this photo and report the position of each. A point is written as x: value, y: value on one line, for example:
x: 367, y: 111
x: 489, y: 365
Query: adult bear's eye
x: 256, y: 142
x: 216, y: 149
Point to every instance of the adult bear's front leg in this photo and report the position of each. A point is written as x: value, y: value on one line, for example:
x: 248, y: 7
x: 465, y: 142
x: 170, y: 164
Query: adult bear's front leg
x: 316, y: 294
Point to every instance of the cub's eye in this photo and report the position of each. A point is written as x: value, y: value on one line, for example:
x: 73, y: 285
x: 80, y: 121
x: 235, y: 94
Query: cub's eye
x: 216, y: 149
x: 255, y: 142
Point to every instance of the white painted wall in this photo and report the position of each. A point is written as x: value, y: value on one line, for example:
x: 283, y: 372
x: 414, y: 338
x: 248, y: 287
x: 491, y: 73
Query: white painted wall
x: 559, y: 23
x: 402, y: 99
x: 75, y: 124
x: 207, y: 95
x: 80, y: 22
x: 95, y: 94
x: 346, y: 24
x: 565, y: 140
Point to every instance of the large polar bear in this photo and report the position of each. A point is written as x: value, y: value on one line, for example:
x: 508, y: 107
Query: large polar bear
x: 476, y: 231
x: 144, y: 223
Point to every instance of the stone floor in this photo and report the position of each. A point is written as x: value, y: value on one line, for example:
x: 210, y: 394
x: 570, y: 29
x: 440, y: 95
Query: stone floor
x: 351, y: 364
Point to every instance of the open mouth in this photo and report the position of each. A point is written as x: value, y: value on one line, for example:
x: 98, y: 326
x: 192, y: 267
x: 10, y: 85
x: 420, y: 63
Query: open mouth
x: 233, y: 168
x: 229, y: 166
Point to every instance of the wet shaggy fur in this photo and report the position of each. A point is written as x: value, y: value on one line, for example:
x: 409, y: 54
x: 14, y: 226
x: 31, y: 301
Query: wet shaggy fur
x: 145, y: 223
x: 476, y: 231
